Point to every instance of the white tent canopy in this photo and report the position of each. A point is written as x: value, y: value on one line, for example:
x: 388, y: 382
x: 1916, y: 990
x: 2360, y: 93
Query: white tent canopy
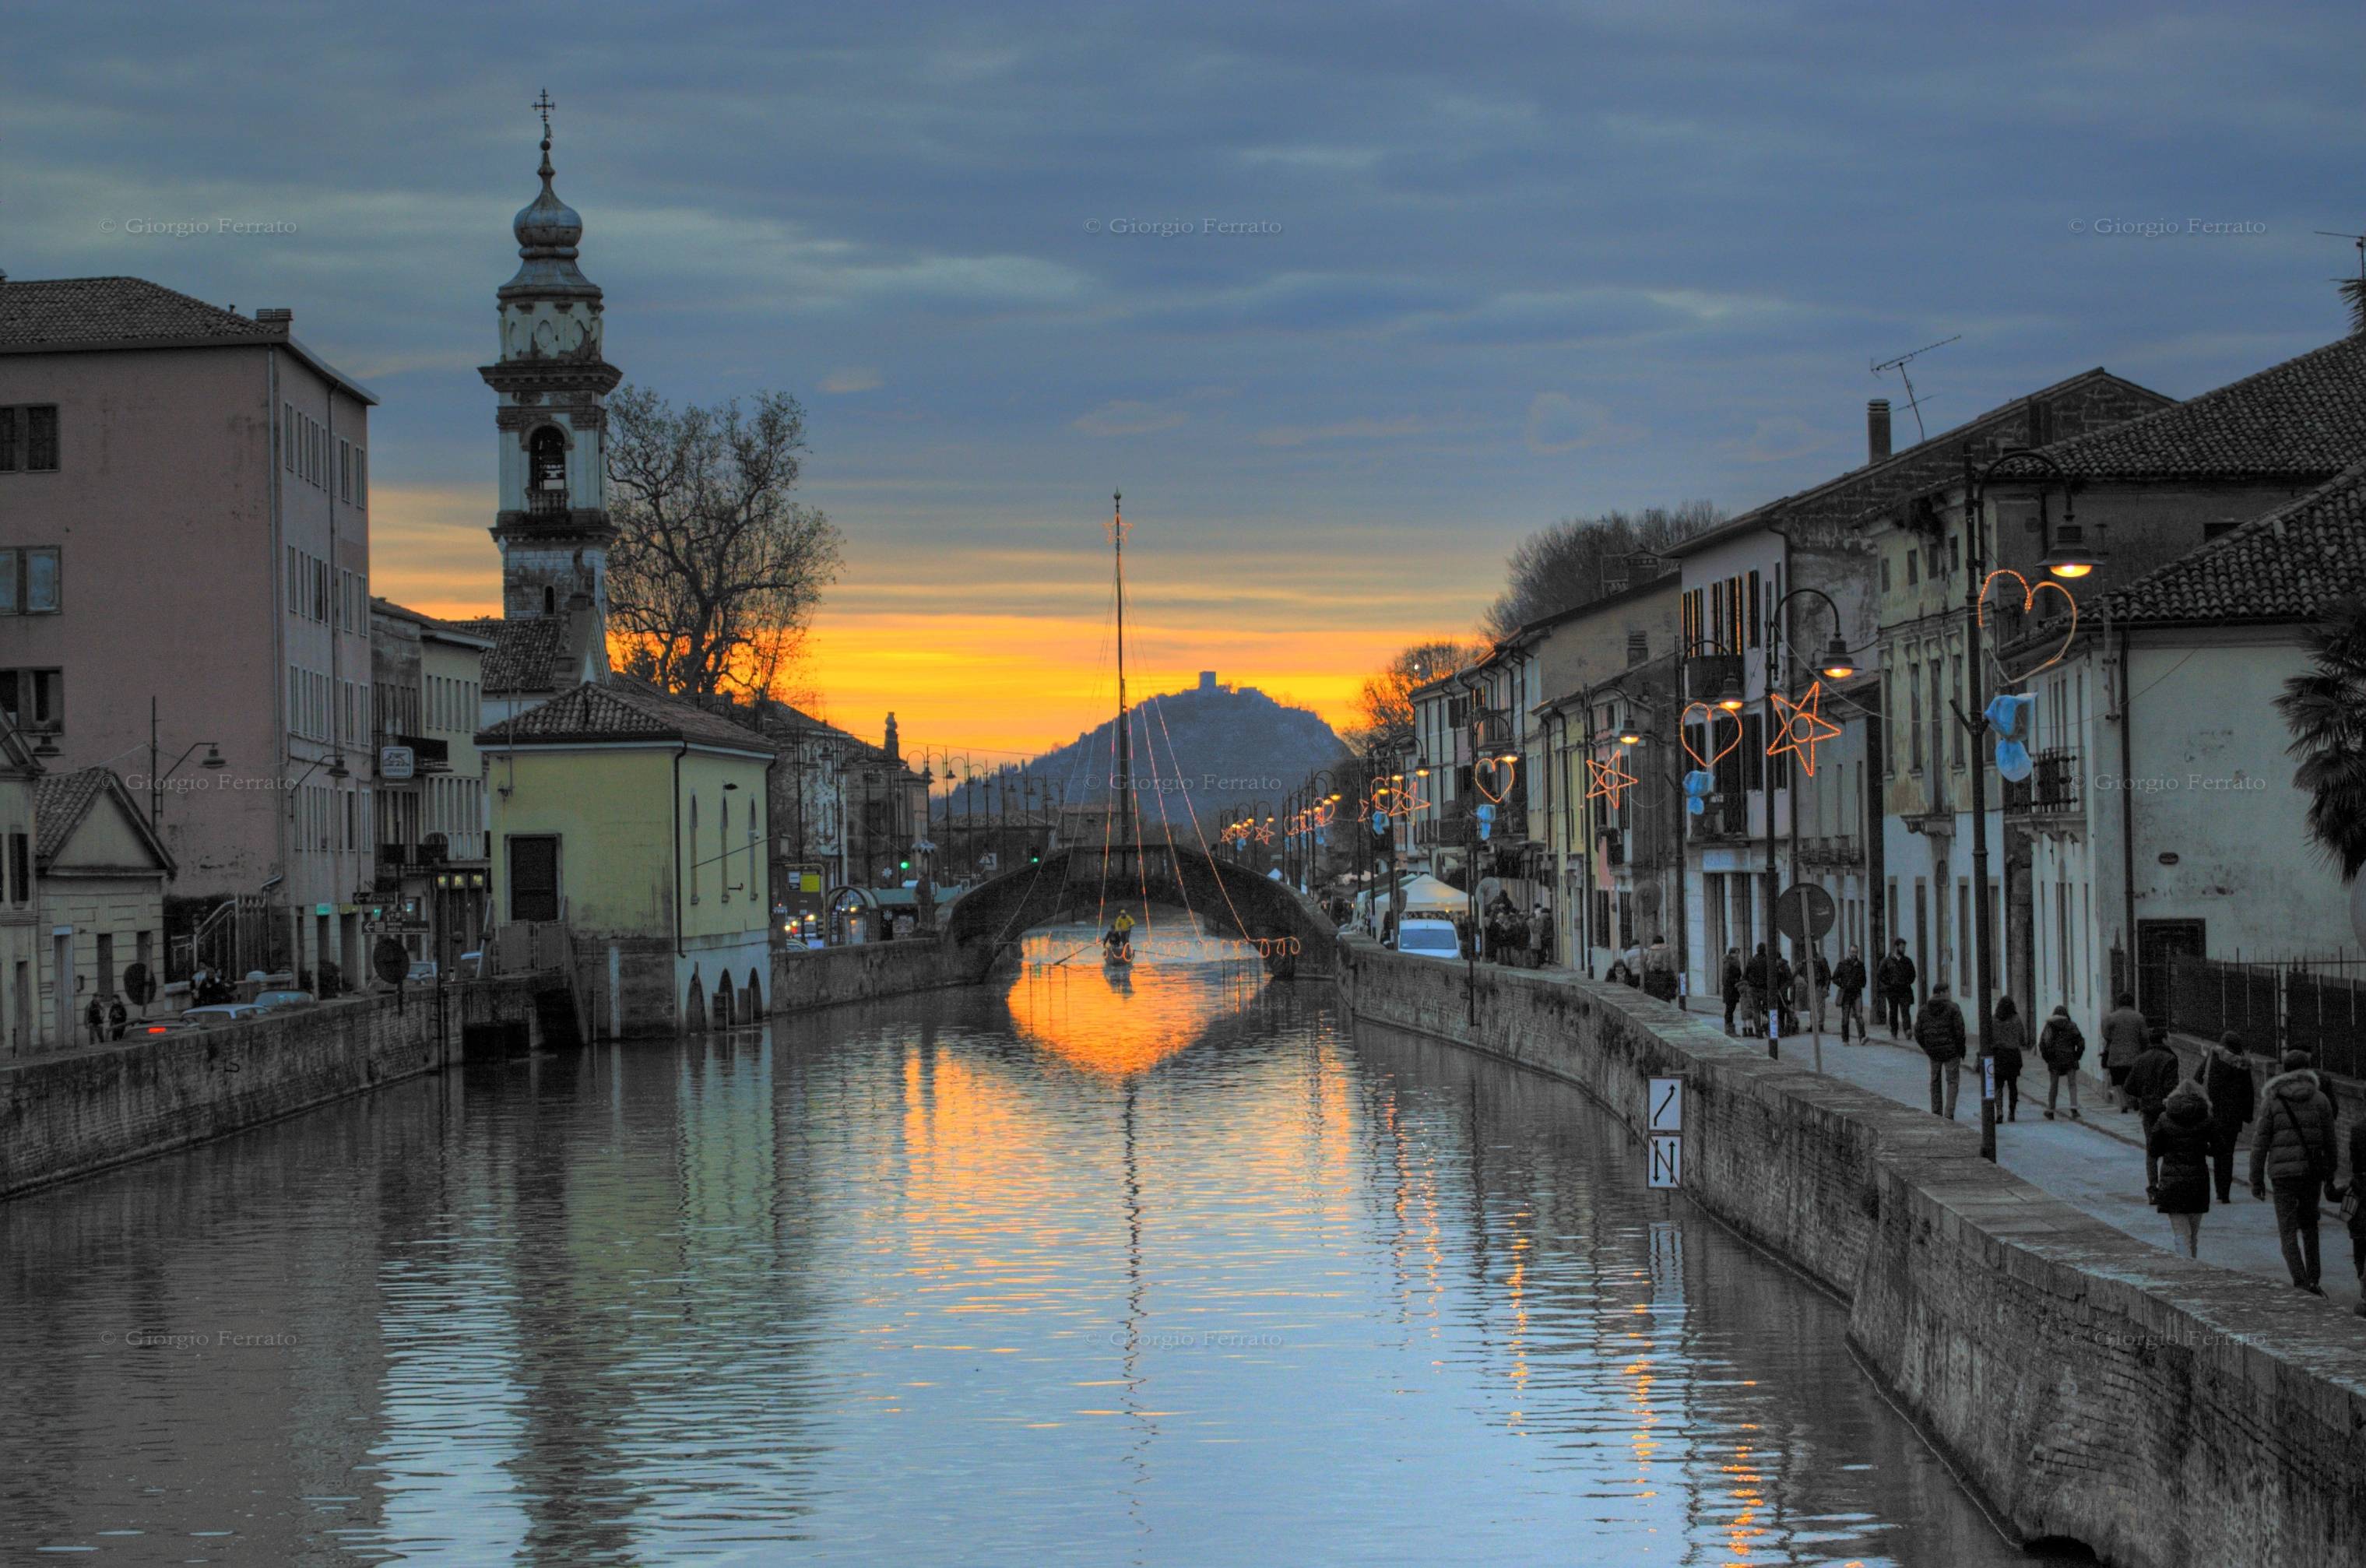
x: 1426, y: 895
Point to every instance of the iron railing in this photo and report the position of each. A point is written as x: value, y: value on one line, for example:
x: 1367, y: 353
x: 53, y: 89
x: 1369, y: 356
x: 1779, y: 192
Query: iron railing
x: 2050, y: 789
x: 2317, y: 1005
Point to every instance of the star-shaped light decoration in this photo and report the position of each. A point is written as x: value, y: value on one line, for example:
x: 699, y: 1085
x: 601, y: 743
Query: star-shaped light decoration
x: 1802, y: 727
x: 1608, y: 781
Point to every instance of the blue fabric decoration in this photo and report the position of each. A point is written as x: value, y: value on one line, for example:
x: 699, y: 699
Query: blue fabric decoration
x: 2012, y: 761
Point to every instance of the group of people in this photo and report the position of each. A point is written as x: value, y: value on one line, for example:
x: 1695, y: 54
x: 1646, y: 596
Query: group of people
x: 1117, y: 943
x: 1506, y: 936
x: 1793, y: 991
x: 105, y: 1018
x: 1651, y: 969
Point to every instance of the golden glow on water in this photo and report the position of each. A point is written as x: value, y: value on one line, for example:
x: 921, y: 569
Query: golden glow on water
x: 1124, y: 1021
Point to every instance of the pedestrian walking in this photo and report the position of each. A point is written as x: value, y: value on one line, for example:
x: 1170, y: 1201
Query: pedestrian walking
x: 1729, y: 984
x: 1849, y: 976
x: 119, y: 1018
x: 2178, y: 1147
x: 2061, y: 1047
x: 1938, y: 1030
x: 2155, y: 1072
x: 1659, y: 969
x: 1757, y: 985
x: 1895, y: 982
x: 93, y: 1018
x: 2292, y: 1152
x: 2226, y: 1077
x: 2124, y: 1032
x: 1540, y: 929
x: 2354, y: 1210
x: 2008, y: 1038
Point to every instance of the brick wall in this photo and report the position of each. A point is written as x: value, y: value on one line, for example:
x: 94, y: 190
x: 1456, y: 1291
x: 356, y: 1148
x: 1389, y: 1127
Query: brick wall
x: 2090, y: 1387
x: 867, y: 971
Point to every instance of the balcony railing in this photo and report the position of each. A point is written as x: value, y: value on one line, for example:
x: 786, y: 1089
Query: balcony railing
x: 2050, y: 790
x: 1721, y: 818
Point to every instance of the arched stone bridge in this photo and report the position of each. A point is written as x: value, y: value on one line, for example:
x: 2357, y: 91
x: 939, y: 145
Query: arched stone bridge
x: 1288, y: 930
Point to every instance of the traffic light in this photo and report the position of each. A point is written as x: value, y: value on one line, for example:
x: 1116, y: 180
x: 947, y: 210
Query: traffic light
x: 903, y: 865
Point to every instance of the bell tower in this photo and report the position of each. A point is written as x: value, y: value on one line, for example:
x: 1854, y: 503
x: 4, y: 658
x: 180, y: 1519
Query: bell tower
x: 553, y: 382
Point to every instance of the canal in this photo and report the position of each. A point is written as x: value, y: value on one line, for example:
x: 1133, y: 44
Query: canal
x: 1179, y: 1270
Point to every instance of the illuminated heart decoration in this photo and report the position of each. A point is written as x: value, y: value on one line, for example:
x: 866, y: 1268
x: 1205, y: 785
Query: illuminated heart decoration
x: 1708, y: 764
x: 1482, y: 776
x: 2029, y: 593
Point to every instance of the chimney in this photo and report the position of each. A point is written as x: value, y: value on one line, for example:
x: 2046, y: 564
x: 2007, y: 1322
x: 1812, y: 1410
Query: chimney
x: 276, y: 316
x: 1877, y: 430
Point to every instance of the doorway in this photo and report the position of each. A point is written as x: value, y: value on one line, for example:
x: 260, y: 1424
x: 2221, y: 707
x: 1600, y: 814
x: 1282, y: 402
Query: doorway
x: 2158, y: 942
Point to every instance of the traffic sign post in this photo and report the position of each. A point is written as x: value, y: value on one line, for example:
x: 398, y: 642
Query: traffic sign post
x: 1664, y: 1119
x: 1804, y: 913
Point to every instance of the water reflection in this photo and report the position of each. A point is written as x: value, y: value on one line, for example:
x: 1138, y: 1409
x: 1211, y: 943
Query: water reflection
x: 1049, y: 1272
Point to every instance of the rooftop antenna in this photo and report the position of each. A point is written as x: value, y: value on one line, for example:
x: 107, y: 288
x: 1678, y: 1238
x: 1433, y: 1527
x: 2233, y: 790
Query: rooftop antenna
x: 1898, y: 365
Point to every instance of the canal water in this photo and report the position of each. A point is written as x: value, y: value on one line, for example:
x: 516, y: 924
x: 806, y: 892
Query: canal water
x: 1174, y: 1268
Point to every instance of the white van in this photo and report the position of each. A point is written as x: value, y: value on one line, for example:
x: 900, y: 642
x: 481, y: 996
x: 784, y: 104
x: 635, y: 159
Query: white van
x: 1429, y: 939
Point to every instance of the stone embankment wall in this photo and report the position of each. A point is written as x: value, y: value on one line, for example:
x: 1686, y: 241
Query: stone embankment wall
x: 2090, y: 1387
x: 68, y: 1113
x: 870, y: 970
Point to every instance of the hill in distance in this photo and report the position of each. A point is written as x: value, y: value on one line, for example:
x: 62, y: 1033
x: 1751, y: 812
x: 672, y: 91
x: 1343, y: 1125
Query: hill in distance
x: 1201, y: 750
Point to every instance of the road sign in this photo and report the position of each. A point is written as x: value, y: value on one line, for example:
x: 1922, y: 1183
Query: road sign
x: 1820, y: 912
x: 397, y: 762
x: 1667, y: 1160
x: 1666, y: 1113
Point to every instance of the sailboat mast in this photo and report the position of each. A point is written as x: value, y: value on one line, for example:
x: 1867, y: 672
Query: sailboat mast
x: 1125, y: 729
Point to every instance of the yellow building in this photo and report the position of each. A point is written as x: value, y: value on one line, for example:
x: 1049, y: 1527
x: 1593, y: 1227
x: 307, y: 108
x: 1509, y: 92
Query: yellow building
x: 637, y: 820
x: 101, y: 872
x: 23, y: 1023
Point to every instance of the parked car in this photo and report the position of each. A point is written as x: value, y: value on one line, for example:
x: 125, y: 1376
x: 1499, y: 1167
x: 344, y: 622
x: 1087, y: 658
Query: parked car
x: 283, y: 1002
x: 143, y: 1028
x: 219, y: 1013
x: 422, y: 973
x: 1430, y: 939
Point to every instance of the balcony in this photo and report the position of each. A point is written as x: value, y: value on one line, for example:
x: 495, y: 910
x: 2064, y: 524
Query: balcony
x: 1723, y: 819
x: 428, y: 755
x: 2050, y: 790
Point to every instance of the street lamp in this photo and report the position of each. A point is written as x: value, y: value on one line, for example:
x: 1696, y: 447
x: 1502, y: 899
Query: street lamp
x: 2068, y: 557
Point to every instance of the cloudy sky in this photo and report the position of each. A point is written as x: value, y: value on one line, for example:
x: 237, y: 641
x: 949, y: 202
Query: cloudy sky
x: 1488, y: 266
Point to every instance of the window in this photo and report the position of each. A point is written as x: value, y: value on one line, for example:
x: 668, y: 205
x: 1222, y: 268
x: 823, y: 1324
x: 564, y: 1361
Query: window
x: 295, y: 576
x: 361, y: 479
x: 1910, y: 559
x: 344, y: 470
x: 546, y: 471
x: 29, y: 582
x: 287, y: 435
x: 1937, y: 672
x: 20, y: 869
x: 1956, y: 670
x: 34, y: 700
x: 1914, y: 720
x: 29, y: 438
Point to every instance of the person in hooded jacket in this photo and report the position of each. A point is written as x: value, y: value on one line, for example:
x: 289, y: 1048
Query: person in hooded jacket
x: 2226, y: 1077
x: 2293, y: 1151
x: 1849, y: 975
x: 2061, y: 1047
x: 2008, y: 1038
x: 2154, y: 1074
x: 2125, y: 1030
x: 1938, y: 1030
x: 2179, y: 1147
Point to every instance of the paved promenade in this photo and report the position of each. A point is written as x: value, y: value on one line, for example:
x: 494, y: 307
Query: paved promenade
x: 2095, y: 1164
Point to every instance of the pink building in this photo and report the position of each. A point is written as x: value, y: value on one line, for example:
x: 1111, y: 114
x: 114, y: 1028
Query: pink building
x: 184, y: 566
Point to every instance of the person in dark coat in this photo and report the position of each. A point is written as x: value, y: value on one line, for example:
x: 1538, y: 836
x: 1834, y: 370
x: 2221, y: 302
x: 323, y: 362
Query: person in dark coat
x: 2226, y: 1077
x: 2178, y: 1147
x: 1729, y: 984
x: 2008, y: 1038
x: 93, y: 1019
x: 1895, y: 982
x: 1938, y: 1030
x: 118, y: 1018
x: 2154, y: 1074
x: 1849, y: 975
x: 2354, y: 1209
x: 2293, y: 1151
x: 1758, y: 981
x: 2061, y: 1047
x: 2124, y: 1032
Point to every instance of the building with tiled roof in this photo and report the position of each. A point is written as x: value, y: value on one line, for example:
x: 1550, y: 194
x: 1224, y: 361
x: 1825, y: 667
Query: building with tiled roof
x: 163, y: 457
x: 2300, y: 422
x: 102, y: 873
x: 2290, y: 565
x: 621, y: 709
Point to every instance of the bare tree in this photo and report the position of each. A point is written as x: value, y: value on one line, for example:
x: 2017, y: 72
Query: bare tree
x: 1562, y: 567
x: 716, y: 571
x: 1384, y: 706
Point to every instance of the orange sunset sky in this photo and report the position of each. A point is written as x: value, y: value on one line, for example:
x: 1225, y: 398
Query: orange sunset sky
x: 992, y: 646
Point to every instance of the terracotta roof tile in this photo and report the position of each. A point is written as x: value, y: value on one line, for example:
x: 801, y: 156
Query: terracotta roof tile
x: 2304, y: 419
x: 621, y: 710
x: 526, y: 654
x: 2285, y: 566
x: 56, y: 311
x: 61, y: 802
